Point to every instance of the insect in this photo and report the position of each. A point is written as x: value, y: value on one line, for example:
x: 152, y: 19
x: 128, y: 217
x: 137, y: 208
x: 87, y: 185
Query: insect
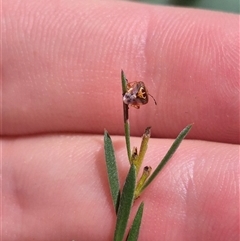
x: 136, y: 94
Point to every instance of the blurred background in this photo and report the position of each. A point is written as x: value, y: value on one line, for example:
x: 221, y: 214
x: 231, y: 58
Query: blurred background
x: 218, y: 5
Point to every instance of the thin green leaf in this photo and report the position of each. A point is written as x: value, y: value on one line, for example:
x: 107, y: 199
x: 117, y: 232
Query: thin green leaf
x: 124, y: 82
x: 169, y: 154
x: 125, y: 205
x: 127, y: 139
x: 134, y: 231
x: 141, y: 182
x: 143, y: 148
x: 134, y: 156
x: 112, y: 170
x: 125, y: 117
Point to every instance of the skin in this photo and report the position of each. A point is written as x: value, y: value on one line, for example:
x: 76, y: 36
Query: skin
x: 61, y: 65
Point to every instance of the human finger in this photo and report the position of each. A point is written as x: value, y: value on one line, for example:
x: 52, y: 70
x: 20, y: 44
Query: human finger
x: 61, y: 68
x: 58, y: 184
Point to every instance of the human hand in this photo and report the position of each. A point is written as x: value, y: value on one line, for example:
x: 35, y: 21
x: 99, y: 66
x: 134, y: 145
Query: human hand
x: 61, y: 88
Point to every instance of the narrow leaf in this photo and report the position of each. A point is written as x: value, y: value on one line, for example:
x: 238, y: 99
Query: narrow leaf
x: 141, y: 182
x: 143, y: 148
x: 169, y: 154
x: 112, y: 170
x: 127, y: 139
x: 134, y: 156
x: 125, y: 205
x: 125, y: 116
x: 124, y: 82
x: 134, y: 231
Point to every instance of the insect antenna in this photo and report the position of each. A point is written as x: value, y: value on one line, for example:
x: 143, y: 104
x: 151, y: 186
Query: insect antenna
x: 153, y: 99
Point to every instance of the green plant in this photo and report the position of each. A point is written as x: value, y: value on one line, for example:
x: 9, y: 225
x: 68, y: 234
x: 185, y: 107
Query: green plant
x: 133, y: 186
